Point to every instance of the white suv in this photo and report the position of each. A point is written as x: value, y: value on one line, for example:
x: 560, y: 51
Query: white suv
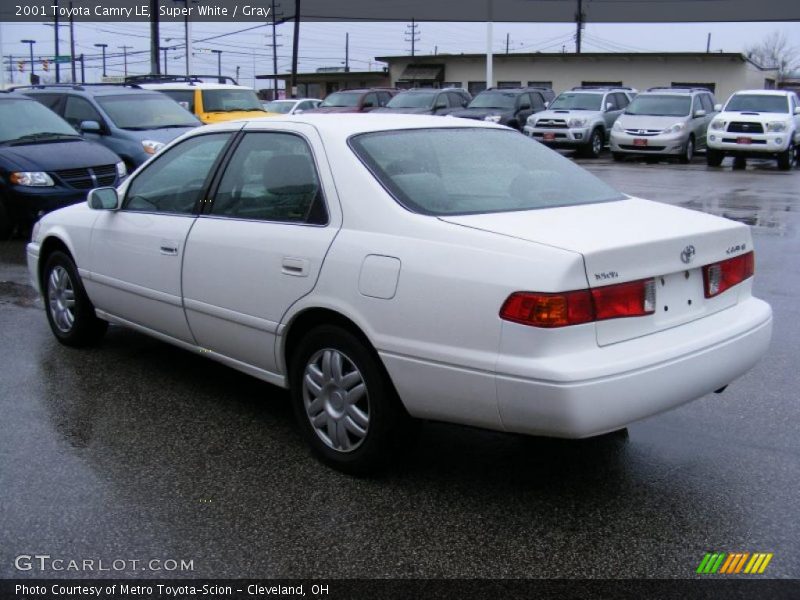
x: 756, y: 124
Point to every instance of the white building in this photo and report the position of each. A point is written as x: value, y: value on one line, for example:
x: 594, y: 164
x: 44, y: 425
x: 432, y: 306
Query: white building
x: 722, y: 73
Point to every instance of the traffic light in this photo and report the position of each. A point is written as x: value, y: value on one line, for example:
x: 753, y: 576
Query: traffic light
x: 21, y: 66
x: 45, y: 65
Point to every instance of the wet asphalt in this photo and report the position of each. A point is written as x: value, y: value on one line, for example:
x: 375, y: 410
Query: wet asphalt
x: 136, y: 450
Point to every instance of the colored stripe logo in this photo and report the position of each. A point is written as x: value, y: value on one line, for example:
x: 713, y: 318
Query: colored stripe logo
x: 734, y: 563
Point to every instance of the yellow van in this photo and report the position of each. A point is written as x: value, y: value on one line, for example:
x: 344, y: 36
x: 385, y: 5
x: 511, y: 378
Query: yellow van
x: 213, y: 102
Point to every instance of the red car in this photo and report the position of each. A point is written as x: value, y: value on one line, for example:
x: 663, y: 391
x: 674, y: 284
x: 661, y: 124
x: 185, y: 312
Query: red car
x: 354, y: 101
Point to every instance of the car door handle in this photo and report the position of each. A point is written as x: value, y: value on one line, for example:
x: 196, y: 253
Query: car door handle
x: 297, y: 267
x: 169, y: 247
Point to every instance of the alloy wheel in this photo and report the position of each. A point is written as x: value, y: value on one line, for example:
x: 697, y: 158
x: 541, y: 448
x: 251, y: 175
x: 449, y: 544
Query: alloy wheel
x: 61, y: 299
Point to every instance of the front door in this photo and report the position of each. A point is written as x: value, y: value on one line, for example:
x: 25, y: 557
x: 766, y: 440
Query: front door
x: 136, y: 252
x: 259, y: 246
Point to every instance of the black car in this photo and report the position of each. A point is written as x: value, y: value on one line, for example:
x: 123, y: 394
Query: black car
x: 507, y: 106
x: 426, y: 101
x: 45, y: 164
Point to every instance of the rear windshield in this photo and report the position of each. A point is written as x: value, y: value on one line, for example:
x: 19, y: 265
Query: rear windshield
x: 342, y: 99
x: 655, y: 105
x: 455, y: 171
x: 494, y: 100
x: 145, y: 111
x: 758, y: 103
x: 412, y: 100
x: 231, y: 100
x: 577, y: 101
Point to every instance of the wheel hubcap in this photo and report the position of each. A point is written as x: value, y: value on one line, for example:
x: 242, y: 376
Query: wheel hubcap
x: 61, y: 299
x: 336, y: 400
x: 598, y: 144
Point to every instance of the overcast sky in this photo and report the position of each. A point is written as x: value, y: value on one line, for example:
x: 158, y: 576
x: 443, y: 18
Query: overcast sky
x: 323, y: 44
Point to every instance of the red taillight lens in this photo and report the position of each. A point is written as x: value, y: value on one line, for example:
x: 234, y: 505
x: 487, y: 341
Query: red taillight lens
x: 634, y: 299
x: 721, y: 276
x: 548, y: 310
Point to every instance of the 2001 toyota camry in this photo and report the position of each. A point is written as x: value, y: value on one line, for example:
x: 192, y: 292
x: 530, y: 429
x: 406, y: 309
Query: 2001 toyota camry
x: 388, y: 267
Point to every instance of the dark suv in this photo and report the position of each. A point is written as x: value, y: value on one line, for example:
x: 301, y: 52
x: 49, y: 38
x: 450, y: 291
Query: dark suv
x: 507, y: 106
x: 44, y: 163
x: 353, y: 101
x: 133, y: 122
x: 427, y: 101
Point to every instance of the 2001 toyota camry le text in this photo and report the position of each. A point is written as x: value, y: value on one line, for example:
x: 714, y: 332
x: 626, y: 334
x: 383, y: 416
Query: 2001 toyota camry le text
x: 386, y: 268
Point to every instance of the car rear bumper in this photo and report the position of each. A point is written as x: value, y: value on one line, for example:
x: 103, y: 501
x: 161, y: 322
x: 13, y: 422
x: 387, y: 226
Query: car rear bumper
x: 591, y: 391
x: 674, y: 367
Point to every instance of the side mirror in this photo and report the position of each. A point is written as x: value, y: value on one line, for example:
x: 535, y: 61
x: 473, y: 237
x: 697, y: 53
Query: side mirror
x: 699, y: 113
x: 103, y: 198
x: 90, y: 127
x: 298, y: 111
x: 797, y: 110
x: 547, y: 103
x: 717, y: 107
x: 609, y: 106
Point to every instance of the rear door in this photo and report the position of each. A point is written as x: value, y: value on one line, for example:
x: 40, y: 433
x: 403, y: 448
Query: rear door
x: 136, y: 252
x: 259, y: 246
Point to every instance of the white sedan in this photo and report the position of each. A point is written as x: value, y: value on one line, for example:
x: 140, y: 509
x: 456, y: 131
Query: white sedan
x: 390, y: 266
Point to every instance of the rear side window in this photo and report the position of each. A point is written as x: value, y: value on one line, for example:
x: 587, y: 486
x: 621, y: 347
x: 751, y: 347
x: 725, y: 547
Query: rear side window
x: 271, y: 177
x: 450, y: 171
x: 707, y: 103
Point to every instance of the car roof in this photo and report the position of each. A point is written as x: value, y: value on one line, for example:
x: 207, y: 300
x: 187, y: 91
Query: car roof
x: 765, y: 92
x: 347, y: 124
x: 194, y: 85
x: 87, y: 89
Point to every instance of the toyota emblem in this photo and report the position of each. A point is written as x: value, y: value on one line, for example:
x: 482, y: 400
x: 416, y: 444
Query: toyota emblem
x: 688, y: 254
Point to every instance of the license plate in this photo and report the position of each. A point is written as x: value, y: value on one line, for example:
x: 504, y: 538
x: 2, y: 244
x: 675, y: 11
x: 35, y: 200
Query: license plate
x: 640, y: 142
x: 549, y: 137
x: 744, y: 140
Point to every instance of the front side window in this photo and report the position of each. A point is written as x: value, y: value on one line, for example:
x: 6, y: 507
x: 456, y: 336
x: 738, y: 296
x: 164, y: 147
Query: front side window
x: 78, y: 110
x: 145, y: 111
x: 175, y: 181
x: 660, y: 105
x: 757, y: 103
x: 451, y: 171
x: 271, y: 177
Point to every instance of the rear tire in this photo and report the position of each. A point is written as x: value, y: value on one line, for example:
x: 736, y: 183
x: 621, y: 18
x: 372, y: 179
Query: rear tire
x: 786, y: 158
x: 6, y: 224
x: 69, y: 310
x: 346, y: 406
x: 714, y: 158
x: 739, y: 163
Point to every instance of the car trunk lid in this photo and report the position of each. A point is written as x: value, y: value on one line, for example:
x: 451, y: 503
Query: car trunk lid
x: 629, y: 240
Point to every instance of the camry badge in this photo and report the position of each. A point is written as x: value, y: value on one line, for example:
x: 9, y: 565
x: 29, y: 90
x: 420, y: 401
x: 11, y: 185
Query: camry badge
x: 688, y: 254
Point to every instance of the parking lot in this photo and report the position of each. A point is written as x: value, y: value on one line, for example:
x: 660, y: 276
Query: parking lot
x: 139, y: 450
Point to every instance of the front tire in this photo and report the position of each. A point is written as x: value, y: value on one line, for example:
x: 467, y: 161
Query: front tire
x: 345, y: 404
x: 688, y: 152
x: 69, y: 310
x: 595, y: 145
x: 714, y: 158
x: 739, y: 163
x: 786, y: 158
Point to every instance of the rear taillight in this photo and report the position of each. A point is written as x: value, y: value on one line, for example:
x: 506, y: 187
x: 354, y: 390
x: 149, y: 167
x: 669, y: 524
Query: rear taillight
x: 634, y: 299
x: 721, y: 276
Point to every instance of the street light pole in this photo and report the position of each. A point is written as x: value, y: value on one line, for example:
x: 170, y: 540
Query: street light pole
x: 103, y: 47
x: 165, y: 48
x: 125, y: 57
x: 219, y: 62
x: 55, y: 32
x: 33, y: 68
x: 72, y: 43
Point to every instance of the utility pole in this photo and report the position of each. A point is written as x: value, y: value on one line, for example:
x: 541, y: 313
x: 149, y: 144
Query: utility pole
x: 579, y: 24
x: 274, y: 55
x: 219, y: 62
x: 103, y: 48
x: 83, y: 70
x: 237, y: 72
x: 2, y: 72
x: 412, y: 35
x: 125, y: 57
x: 72, y: 43
x: 708, y: 43
x: 56, y: 44
x: 165, y: 49
x: 346, y: 52
x: 155, y: 67
x: 508, y: 41
x: 295, y: 47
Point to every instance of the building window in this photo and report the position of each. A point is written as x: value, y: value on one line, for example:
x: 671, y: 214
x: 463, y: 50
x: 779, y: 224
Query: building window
x: 711, y: 87
x: 541, y: 84
x: 476, y: 87
x: 769, y: 84
x: 451, y: 84
x: 509, y: 84
x: 612, y: 84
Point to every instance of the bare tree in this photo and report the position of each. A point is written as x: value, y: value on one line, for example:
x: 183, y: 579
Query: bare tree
x: 775, y: 52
